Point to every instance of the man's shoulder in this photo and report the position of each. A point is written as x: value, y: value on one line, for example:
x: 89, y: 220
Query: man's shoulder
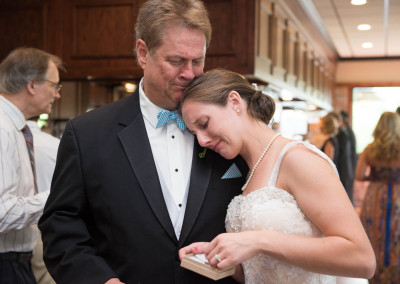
x: 5, y: 122
x: 109, y: 113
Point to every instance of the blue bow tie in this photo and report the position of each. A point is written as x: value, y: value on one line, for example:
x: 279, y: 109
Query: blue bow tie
x: 165, y: 115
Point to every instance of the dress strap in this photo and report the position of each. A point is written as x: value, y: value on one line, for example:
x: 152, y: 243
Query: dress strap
x: 275, y: 171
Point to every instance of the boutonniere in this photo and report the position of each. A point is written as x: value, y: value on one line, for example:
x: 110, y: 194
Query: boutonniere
x: 203, y: 154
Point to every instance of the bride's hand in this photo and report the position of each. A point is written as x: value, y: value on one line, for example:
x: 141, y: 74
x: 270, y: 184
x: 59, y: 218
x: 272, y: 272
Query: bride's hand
x: 232, y: 249
x: 195, y: 248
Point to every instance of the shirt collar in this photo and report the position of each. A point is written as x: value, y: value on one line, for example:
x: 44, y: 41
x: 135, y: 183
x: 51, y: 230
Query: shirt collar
x: 14, y: 114
x: 149, y: 110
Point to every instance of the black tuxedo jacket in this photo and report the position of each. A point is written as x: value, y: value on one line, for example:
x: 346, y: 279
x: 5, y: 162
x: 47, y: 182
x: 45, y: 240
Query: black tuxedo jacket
x: 106, y: 216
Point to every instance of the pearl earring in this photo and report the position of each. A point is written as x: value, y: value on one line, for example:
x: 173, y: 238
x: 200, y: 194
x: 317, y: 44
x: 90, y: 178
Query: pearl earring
x: 237, y: 110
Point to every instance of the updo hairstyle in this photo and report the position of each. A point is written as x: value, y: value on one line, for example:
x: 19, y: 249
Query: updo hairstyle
x: 214, y: 86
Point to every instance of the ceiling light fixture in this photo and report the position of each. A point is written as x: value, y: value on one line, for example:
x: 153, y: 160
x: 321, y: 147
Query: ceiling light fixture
x: 358, y: 2
x: 367, y: 45
x: 364, y: 27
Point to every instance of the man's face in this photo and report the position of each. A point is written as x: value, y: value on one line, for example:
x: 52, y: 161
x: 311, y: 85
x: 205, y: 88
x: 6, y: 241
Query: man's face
x: 47, y: 91
x: 170, y: 68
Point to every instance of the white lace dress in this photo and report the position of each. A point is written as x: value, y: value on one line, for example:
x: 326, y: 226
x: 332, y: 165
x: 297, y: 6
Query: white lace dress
x: 271, y: 208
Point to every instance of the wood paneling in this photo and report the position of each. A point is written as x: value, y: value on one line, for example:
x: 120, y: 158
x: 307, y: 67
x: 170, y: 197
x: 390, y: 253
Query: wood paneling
x: 291, y: 56
x: 279, y: 44
x: 309, y: 71
x: 301, y: 61
x: 264, y: 22
x: 22, y: 25
x: 232, y: 43
x: 99, y: 38
x: 268, y: 40
x: 291, y: 53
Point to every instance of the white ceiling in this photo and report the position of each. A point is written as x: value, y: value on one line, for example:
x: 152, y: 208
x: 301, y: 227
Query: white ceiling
x: 337, y: 20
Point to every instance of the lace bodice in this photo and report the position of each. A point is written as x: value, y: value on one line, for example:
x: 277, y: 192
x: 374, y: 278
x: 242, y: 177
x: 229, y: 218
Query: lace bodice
x: 271, y: 208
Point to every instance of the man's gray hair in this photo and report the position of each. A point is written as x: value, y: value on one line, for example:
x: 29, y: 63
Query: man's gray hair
x: 23, y: 65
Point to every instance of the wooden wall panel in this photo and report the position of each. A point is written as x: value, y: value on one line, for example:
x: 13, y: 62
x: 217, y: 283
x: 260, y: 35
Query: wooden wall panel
x: 309, y: 71
x: 232, y: 43
x: 321, y: 80
x: 22, y: 24
x: 315, y: 91
x: 301, y: 62
x: 315, y: 74
x: 264, y: 22
x: 267, y: 40
x: 279, y: 43
x: 329, y: 84
x: 291, y: 53
x: 94, y: 35
x: 99, y: 38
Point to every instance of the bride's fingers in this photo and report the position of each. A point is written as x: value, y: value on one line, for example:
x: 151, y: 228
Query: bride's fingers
x: 211, y: 246
x: 212, y: 259
x: 215, y: 257
x: 224, y: 264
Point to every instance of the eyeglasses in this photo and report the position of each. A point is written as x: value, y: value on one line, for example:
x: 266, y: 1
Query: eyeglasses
x: 57, y: 86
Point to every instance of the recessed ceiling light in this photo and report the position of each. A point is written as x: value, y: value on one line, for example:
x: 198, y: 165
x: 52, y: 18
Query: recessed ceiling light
x: 363, y: 27
x: 358, y: 2
x: 367, y: 45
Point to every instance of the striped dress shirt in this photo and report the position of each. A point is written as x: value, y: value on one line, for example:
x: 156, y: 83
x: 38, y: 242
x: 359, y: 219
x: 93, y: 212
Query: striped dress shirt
x: 20, y: 208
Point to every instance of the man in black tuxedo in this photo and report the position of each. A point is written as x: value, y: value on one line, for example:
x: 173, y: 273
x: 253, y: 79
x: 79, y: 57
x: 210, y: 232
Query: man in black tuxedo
x: 131, y: 187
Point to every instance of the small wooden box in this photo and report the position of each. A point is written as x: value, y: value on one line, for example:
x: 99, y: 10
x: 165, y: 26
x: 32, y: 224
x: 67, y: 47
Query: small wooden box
x: 191, y: 262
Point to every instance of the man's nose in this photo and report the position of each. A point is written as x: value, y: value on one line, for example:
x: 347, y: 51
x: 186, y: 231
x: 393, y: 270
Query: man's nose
x: 187, y: 71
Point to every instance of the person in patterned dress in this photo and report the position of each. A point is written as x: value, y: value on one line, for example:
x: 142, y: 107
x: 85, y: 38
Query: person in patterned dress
x: 379, y: 164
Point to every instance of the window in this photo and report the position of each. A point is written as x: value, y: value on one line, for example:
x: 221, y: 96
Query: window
x: 368, y: 105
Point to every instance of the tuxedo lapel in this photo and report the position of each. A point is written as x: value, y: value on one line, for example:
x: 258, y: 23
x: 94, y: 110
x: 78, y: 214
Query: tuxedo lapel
x: 199, y: 182
x: 138, y: 150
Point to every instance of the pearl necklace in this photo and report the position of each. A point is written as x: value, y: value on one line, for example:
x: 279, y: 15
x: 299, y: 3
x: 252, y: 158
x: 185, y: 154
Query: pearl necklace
x: 259, y: 160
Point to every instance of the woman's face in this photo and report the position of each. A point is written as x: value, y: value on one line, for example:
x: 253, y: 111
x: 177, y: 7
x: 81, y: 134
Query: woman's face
x: 216, y: 127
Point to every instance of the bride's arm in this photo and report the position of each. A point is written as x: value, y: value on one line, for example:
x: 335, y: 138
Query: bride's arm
x: 345, y: 250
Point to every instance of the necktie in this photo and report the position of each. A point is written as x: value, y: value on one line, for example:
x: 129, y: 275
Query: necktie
x: 29, y: 143
x: 165, y: 115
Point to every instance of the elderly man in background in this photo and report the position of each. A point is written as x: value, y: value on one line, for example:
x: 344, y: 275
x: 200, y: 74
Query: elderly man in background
x: 29, y: 85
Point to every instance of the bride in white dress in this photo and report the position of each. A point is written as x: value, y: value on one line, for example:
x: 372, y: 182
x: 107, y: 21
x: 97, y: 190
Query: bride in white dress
x: 293, y: 222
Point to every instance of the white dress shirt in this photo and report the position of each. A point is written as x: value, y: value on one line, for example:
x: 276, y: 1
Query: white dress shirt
x: 45, y: 147
x: 172, y: 150
x: 20, y: 208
